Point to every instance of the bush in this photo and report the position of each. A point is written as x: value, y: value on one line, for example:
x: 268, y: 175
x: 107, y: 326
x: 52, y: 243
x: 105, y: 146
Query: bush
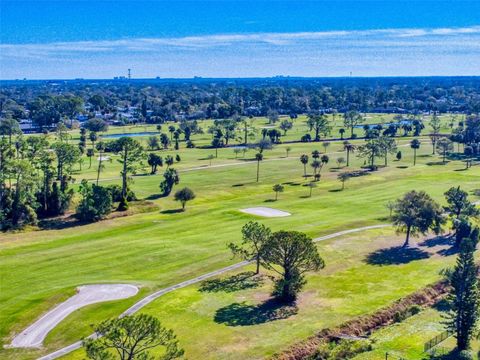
x: 344, y: 349
x: 306, y: 138
x: 123, y: 204
x: 190, y: 144
x: 464, y: 355
x: 415, y: 309
x: 116, y: 192
x: 96, y: 202
x: 399, y: 316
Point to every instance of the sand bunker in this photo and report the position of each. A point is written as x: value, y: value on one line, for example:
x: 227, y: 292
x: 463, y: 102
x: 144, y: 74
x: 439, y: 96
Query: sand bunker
x: 103, y: 158
x: 265, y: 212
x: 34, y: 335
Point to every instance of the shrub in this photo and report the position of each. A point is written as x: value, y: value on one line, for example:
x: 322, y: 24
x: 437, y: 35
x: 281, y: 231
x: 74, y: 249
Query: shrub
x: 399, y: 316
x: 123, y: 204
x: 116, y: 192
x: 344, y: 349
x: 464, y: 355
x: 96, y: 202
x: 415, y: 309
x: 306, y: 138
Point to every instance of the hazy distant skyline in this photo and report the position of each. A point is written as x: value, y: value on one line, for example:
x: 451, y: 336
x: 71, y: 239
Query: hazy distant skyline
x: 87, y: 39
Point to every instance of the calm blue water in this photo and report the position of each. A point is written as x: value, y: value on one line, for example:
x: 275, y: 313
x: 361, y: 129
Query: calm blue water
x: 399, y: 123
x: 136, y: 134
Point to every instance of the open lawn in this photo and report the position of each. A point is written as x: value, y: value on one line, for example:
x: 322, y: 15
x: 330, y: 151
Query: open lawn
x: 153, y: 250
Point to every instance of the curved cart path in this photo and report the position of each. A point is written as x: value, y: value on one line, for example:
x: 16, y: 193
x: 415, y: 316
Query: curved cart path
x: 148, y: 299
x: 34, y: 335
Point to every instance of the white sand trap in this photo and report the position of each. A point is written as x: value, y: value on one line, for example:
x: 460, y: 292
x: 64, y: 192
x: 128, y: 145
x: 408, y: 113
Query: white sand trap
x: 34, y: 335
x: 265, y: 212
x: 103, y: 158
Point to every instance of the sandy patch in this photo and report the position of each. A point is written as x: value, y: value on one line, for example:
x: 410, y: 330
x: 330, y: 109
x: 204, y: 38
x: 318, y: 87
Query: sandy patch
x: 34, y: 335
x: 265, y: 212
x: 103, y: 158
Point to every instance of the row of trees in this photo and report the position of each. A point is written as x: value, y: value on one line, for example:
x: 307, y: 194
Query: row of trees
x: 162, y: 100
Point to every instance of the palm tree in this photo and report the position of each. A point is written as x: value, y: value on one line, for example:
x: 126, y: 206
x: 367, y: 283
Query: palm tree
x: 258, y: 157
x: 288, y: 149
x: 324, y: 159
x: 343, y: 177
x: 277, y: 188
x: 210, y: 157
x: 315, y: 165
x: 348, y: 147
x: 171, y: 130
x: 311, y: 185
x: 90, y: 154
x: 325, y: 145
x: 415, y: 144
x: 315, y: 154
x: 304, y: 161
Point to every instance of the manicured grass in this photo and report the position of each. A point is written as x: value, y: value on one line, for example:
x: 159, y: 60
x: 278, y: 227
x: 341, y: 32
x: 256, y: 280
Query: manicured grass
x: 154, y: 250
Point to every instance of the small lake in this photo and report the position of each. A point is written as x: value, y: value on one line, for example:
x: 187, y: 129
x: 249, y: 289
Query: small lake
x: 134, y: 134
x: 399, y: 123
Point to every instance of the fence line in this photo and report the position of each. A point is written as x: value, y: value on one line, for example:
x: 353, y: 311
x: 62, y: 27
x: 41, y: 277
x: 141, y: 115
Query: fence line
x: 437, y: 340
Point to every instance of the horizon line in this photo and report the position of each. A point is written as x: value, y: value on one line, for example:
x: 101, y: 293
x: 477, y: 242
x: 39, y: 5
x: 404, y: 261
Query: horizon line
x: 276, y: 77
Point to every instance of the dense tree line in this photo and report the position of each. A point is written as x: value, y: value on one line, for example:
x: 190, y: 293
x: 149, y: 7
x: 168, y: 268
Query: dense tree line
x: 158, y: 101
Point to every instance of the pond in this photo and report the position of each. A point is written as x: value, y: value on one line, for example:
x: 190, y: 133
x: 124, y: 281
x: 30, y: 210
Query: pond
x: 134, y: 134
x: 386, y: 125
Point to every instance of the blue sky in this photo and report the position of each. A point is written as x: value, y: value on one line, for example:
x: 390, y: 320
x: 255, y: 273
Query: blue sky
x: 102, y: 39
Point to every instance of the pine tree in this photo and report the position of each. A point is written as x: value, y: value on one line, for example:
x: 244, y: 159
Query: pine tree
x: 464, y: 296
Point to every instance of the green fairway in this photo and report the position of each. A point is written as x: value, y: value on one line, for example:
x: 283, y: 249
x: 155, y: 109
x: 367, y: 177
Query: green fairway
x: 156, y: 249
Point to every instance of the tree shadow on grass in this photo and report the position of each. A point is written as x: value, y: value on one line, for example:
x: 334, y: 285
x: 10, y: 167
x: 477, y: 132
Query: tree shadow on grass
x: 441, y: 241
x: 241, y: 314
x: 402, y: 167
x: 238, y: 185
x: 442, y: 305
x: 437, y: 241
x: 449, y: 251
x: 60, y: 223
x: 396, y: 255
x: 335, y: 190
x: 452, y: 355
x: 242, y: 281
x: 171, y: 211
x: 154, y: 197
x: 291, y: 183
x: 269, y: 200
x: 435, y: 163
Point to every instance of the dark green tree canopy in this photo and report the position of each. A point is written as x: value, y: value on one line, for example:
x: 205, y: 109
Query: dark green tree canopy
x: 132, y: 338
x: 290, y: 254
x: 416, y: 213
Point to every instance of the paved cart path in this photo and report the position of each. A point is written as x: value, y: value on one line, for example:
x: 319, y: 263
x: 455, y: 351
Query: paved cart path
x: 34, y: 335
x: 148, y: 299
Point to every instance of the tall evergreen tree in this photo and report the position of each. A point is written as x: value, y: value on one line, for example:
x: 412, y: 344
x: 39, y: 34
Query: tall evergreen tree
x: 464, y: 302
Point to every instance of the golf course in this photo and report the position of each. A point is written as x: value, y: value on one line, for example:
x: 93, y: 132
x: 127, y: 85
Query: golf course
x: 155, y: 245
